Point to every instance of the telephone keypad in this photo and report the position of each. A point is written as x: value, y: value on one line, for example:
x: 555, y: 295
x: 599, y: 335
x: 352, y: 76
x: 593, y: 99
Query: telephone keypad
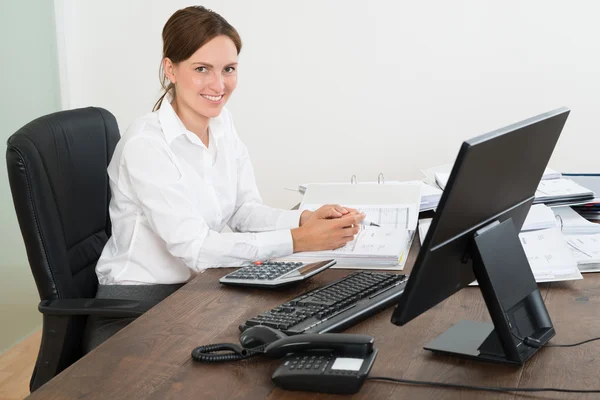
x: 311, y: 371
x: 307, y: 363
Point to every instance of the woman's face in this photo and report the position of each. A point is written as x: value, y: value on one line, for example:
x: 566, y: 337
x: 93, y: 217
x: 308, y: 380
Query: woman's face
x: 205, y: 81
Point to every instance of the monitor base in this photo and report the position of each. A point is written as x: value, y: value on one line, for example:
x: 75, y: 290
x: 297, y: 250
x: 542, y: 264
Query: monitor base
x: 478, y: 341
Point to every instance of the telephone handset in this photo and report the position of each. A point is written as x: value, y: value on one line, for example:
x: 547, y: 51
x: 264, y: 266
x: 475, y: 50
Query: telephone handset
x: 348, y: 344
x: 327, y: 362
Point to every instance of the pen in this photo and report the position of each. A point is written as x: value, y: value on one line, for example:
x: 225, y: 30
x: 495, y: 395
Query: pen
x: 368, y: 223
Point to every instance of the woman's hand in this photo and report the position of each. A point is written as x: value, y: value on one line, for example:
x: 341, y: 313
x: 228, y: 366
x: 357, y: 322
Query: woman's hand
x: 326, y: 233
x: 327, y: 211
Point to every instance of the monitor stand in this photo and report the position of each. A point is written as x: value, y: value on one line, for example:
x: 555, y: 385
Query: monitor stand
x: 512, y: 298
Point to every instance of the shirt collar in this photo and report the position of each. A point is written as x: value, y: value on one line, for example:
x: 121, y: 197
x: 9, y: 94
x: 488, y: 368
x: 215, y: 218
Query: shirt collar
x: 172, y: 126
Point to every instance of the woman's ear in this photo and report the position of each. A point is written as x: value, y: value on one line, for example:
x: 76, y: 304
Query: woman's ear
x: 169, y: 70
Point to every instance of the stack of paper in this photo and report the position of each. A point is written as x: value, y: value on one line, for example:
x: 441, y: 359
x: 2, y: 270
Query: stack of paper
x: 590, y: 181
x: 440, y: 174
x: 562, y: 191
x: 586, y: 251
x: 559, y: 191
x: 591, y: 210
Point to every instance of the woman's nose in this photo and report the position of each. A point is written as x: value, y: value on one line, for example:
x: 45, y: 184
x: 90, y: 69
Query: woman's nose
x: 217, y: 84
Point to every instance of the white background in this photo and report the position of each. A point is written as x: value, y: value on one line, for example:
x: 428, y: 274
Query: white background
x: 334, y: 88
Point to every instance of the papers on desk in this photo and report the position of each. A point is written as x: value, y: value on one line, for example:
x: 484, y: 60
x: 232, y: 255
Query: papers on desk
x: 439, y: 175
x: 590, y: 181
x: 393, y: 207
x: 549, y: 256
x: 585, y: 249
x: 429, y: 173
x: 590, y: 210
x: 559, y: 191
x: 380, y: 248
x: 383, y: 247
x: 430, y: 196
x: 540, y: 216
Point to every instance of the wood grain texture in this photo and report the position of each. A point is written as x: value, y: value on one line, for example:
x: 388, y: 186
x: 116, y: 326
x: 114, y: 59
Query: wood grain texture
x: 151, y: 357
x: 16, y: 366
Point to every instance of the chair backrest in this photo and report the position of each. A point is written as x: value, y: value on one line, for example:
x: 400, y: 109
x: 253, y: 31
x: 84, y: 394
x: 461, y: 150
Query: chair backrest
x: 57, y: 172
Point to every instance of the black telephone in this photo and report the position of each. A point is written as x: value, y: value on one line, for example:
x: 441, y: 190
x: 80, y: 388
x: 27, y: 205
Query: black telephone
x: 327, y: 362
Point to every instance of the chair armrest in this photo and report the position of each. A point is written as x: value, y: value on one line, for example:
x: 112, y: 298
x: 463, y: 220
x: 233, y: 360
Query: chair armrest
x: 103, y: 307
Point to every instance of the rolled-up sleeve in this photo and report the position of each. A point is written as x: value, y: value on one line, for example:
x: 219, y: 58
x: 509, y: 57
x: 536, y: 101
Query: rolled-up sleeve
x: 155, y: 183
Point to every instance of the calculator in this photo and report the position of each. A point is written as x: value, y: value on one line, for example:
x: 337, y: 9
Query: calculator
x: 270, y: 274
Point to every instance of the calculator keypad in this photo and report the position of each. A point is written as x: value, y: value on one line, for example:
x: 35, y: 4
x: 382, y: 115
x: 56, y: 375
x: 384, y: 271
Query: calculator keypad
x: 264, y: 270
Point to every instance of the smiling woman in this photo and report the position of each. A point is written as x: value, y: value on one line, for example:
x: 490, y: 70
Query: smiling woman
x: 200, y: 52
x: 180, y: 174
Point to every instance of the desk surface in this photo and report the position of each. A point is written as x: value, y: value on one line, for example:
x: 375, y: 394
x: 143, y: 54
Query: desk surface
x: 151, y: 357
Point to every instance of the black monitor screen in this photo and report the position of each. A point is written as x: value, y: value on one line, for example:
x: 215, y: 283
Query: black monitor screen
x: 494, y: 178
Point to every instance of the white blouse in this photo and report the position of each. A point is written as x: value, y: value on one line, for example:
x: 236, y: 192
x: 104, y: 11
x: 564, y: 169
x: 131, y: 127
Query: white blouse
x: 172, y: 196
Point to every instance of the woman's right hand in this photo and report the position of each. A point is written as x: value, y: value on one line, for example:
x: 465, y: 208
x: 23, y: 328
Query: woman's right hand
x: 326, y: 234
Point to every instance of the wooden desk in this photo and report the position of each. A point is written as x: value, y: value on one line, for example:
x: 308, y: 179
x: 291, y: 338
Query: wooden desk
x: 151, y: 357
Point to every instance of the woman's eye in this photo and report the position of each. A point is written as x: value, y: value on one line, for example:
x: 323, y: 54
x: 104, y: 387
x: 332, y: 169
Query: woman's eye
x: 201, y: 69
x: 229, y: 69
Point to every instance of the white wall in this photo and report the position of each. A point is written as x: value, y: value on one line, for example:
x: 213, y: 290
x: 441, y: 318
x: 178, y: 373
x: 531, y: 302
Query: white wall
x: 334, y: 88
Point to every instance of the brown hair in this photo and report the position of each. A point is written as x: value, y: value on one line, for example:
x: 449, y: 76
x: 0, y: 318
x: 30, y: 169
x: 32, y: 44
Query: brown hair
x: 185, y: 32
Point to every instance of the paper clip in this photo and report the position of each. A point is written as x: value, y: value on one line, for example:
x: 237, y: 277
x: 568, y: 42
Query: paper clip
x: 353, y: 179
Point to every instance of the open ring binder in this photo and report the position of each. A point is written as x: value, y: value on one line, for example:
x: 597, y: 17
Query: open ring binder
x: 380, y: 179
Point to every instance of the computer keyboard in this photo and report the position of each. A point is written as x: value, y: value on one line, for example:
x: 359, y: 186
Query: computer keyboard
x: 336, y: 306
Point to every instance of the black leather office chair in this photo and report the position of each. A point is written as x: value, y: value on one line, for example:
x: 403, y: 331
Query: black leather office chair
x: 57, y: 172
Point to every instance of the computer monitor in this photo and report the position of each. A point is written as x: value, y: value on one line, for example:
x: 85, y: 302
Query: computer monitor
x: 474, y: 236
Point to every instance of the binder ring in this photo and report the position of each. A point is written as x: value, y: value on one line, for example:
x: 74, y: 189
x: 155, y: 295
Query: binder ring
x: 559, y: 218
x: 353, y: 179
x: 380, y: 178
